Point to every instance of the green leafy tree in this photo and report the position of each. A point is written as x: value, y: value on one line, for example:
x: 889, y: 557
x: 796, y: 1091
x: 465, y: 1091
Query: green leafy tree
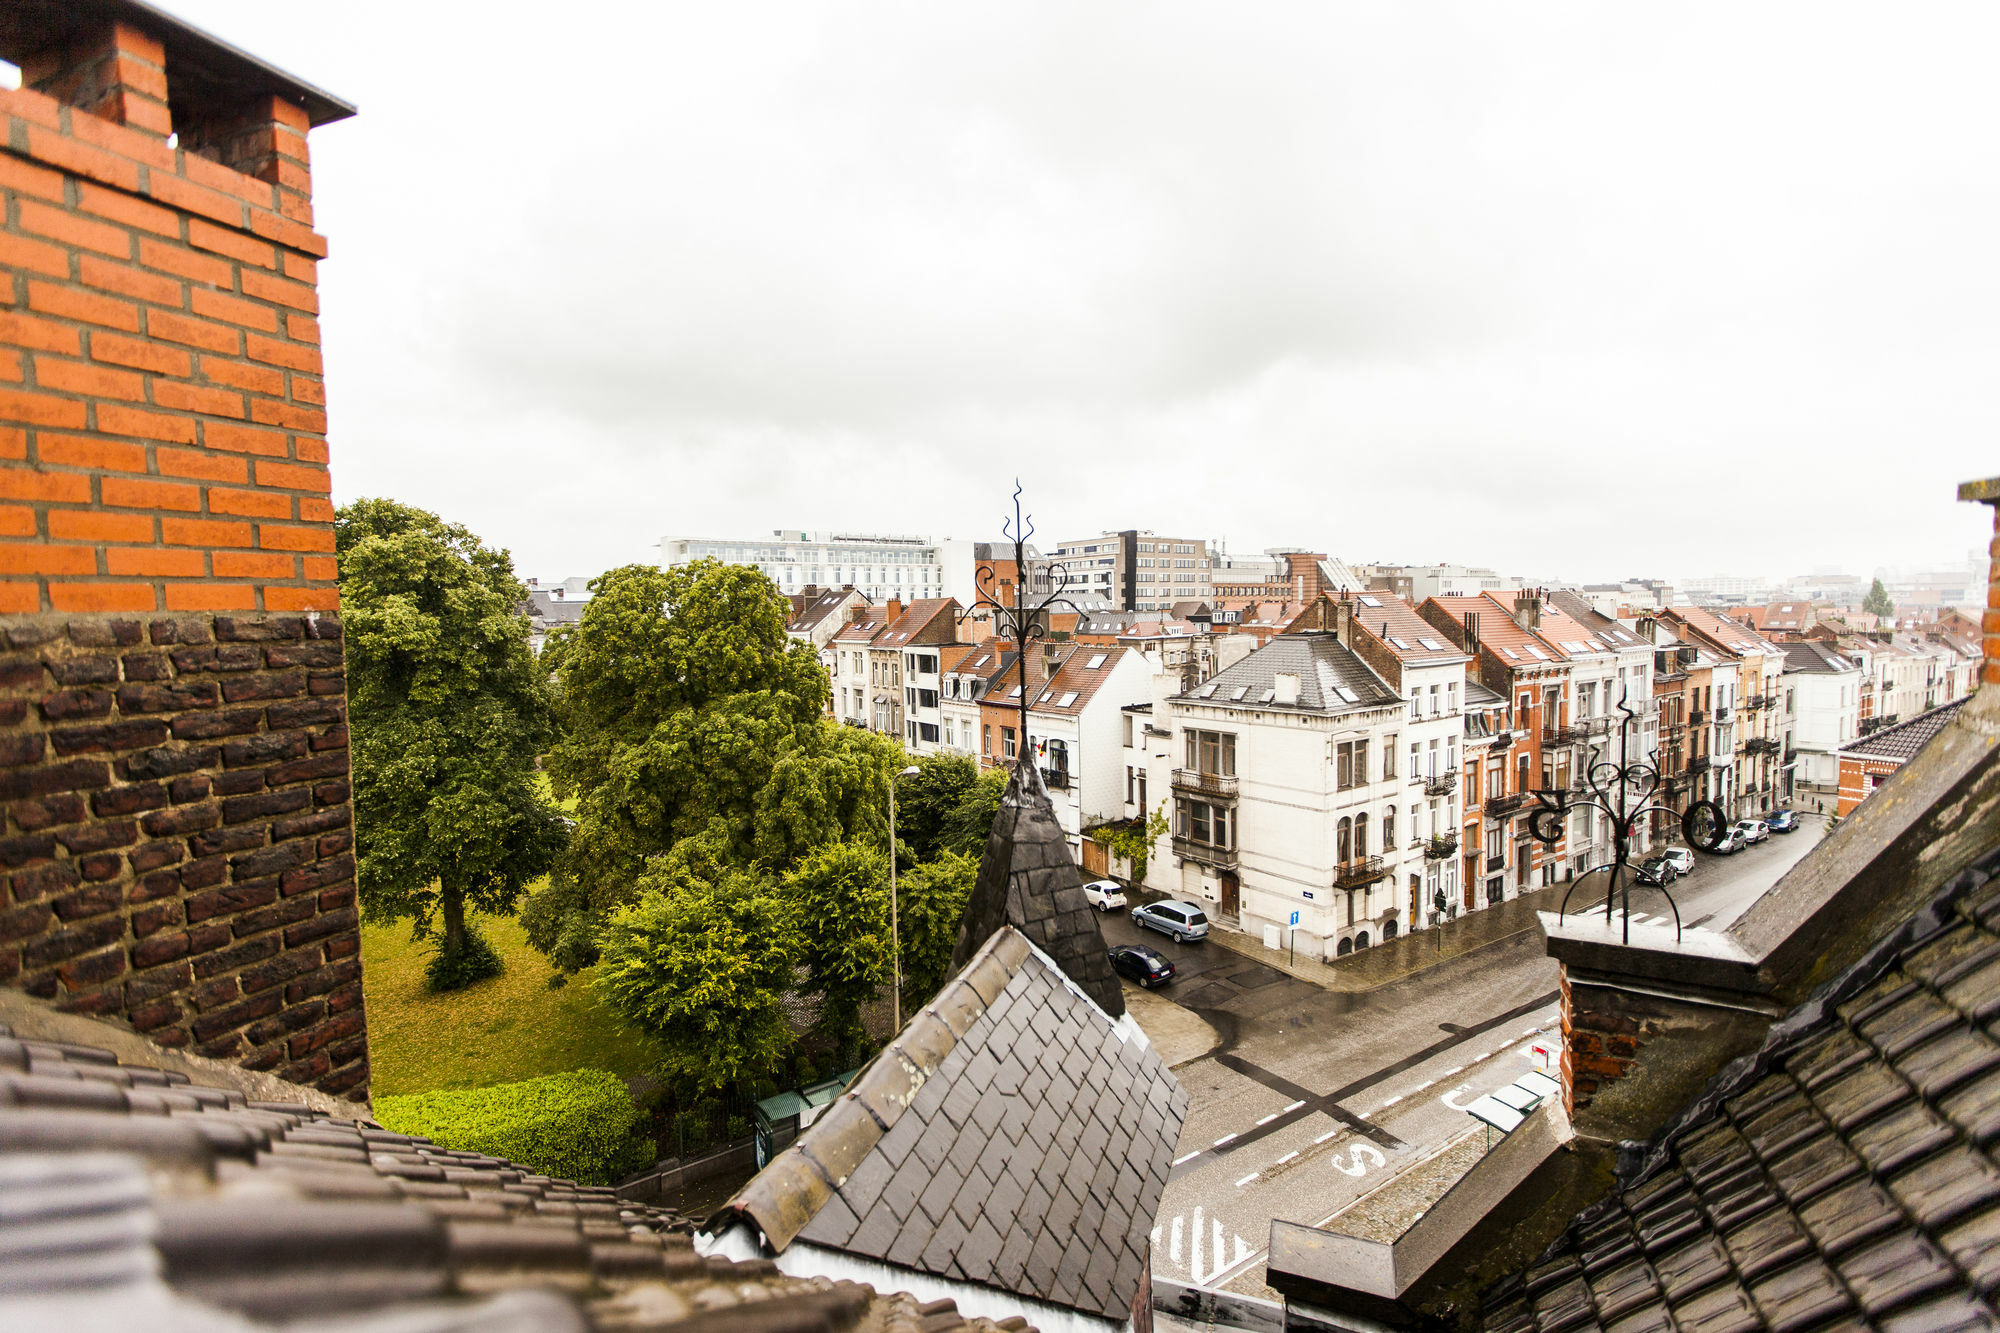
x: 448, y: 711
x: 703, y: 967
x: 1134, y: 839
x: 1877, y: 602
x: 688, y: 714
x: 839, y: 895
x: 926, y: 799
x: 931, y: 902
x: 971, y: 818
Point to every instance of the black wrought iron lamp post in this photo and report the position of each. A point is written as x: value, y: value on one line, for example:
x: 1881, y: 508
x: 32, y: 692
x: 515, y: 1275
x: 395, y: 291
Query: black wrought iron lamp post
x: 1021, y: 622
x: 1623, y: 792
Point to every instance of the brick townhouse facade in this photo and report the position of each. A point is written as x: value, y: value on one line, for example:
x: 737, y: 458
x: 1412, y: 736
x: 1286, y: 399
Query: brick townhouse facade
x: 173, y: 742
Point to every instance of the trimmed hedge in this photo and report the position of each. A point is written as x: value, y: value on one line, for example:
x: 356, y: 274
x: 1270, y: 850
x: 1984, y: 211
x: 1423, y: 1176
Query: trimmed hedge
x: 577, y: 1125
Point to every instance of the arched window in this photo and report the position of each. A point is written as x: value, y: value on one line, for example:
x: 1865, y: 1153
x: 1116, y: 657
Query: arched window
x: 1346, y: 947
x: 1389, y: 829
x: 1344, y: 840
x: 1361, y: 940
x: 1361, y: 835
x: 1388, y: 931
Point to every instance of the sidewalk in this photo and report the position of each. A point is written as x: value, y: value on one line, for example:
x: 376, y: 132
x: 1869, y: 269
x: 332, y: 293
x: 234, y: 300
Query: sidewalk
x: 1378, y: 966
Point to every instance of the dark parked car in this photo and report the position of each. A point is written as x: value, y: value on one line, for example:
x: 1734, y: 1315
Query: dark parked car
x: 1781, y: 821
x: 1657, y: 871
x: 1148, y: 967
x: 1184, y: 921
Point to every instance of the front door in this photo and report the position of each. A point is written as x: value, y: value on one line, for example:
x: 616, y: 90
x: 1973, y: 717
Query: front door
x: 1229, y: 893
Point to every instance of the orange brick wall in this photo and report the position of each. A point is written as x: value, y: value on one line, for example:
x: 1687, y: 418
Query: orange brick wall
x: 162, y: 416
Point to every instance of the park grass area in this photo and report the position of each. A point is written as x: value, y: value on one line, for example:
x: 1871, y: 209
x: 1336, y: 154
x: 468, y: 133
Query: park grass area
x: 500, y: 1030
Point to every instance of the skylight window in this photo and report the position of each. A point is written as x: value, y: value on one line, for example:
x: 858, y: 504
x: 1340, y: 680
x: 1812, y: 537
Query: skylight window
x: 1269, y: 695
x: 1432, y: 644
x: 1239, y: 691
x: 1370, y: 601
x: 1395, y: 642
x: 1511, y: 654
x: 1014, y: 693
x: 1045, y: 697
x: 1537, y: 653
x: 1096, y: 661
x: 1206, y: 691
x: 1349, y: 695
x: 1067, y: 699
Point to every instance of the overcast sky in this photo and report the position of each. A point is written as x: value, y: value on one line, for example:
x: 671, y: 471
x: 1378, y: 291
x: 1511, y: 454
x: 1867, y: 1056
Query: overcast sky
x: 1580, y: 292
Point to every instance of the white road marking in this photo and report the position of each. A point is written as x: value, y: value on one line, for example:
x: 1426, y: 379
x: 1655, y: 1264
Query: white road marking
x: 1189, y: 1158
x: 1294, y: 1106
x: 1477, y: 1058
x: 1156, y: 1238
x: 1361, y: 1115
x: 1447, y: 1098
x: 1286, y: 1158
x: 1509, y: 1042
x: 1455, y: 1069
x: 1174, y: 1245
x: 1269, y: 1118
x: 1194, y: 1247
x: 1239, y: 1185
x: 1425, y: 1084
x: 1324, y: 1137
x: 1218, y: 1247
x: 1224, y: 1139
x: 1391, y: 1102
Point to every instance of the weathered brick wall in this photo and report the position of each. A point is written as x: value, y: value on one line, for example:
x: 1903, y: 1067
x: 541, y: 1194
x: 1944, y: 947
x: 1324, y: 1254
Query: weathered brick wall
x: 176, y: 848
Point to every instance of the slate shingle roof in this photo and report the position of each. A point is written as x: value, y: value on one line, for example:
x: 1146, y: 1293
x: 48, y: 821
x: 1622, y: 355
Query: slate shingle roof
x: 139, y: 1199
x: 1028, y: 880
x: 1322, y: 664
x: 1903, y: 740
x: 1817, y: 657
x: 1843, y: 1177
x: 1012, y: 1136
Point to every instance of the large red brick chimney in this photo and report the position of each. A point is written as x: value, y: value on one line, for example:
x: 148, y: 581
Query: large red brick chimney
x: 173, y: 766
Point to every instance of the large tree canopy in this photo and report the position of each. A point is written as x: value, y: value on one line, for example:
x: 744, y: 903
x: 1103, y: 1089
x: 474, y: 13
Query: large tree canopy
x: 689, y: 716
x: 448, y: 711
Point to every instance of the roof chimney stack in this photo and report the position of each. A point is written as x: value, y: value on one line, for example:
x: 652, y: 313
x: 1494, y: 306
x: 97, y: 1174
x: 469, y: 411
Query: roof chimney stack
x: 1527, y: 610
x: 1472, y: 633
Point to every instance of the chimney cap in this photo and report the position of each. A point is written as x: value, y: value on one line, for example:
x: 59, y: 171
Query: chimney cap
x: 204, y: 72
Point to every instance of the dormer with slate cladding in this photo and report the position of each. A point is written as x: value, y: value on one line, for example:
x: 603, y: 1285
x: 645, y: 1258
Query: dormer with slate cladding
x: 173, y: 740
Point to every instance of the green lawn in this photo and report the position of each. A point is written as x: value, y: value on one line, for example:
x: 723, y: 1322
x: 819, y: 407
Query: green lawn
x: 504, y: 1029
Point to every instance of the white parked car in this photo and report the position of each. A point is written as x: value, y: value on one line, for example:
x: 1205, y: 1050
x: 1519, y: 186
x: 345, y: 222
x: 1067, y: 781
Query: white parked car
x: 1104, y: 895
x: 1753, y: 830
x: 1680, y: 858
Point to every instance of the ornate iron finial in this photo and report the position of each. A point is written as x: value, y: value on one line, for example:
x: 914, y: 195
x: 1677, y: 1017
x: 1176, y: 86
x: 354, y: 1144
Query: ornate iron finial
x: 1021, y: 622
x: 1624, y: 792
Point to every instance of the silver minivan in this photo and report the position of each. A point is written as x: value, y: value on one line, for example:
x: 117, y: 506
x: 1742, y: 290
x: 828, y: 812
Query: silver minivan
x: 1183, y: 921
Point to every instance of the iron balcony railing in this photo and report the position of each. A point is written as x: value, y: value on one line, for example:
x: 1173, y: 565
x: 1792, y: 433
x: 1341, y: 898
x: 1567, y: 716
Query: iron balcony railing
x: 1695, y: 717
x: 1757, y: 701
x: 1761, y: 745
x: 1507, y: 803
x: 1561, y: 735
x: 1361, y: 870
x: 1699, y: 764
x: 1502, y: 739
x: 1207, y: 784
x: 1496, y: 863
x: 1722, y: 716
x: 1058, y: 778
x: 1441, y: 784
x: 1594, y: 726
x: 1441, y: 848
x: 1188, y: 849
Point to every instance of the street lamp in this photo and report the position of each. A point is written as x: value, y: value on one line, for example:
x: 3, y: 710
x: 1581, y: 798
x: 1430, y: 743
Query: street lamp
x: 895, y: 933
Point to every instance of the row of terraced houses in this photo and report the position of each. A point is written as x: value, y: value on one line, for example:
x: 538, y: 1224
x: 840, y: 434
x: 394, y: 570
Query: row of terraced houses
x: 1339, y: 770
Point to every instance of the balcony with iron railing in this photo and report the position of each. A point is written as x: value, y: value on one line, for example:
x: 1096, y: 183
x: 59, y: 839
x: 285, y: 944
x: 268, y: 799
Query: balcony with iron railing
x: 1204, y: 784
x: 1440, y: 784
x: 1441, y: 847
x: 1057, y: 779
x: 1696, y: 717
x: 1595, y: 726
x: 1701, y: 763
x: 1496, y: 863
x: 1722, y: 716
x: 1761, y: 745
x: 1506, y: 803
x: 1757, y: 701
x: 1561, y: 735
x: 1357, y: 872
x: 1203, y: 853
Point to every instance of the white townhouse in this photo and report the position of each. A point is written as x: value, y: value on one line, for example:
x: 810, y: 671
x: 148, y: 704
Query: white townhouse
x: 1290, y: 811
x: 853, y: 669
x: 965, y: 673
x: 1822, y: 686
x: 1076, y: 733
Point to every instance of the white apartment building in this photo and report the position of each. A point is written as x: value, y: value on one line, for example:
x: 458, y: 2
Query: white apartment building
x: 1823, y: 690
x: 1076, y: 735
x: 908, y: 568
x: 1290, y: 813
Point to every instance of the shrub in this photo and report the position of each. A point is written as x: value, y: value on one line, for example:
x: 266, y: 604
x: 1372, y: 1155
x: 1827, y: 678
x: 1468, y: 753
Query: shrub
x: 578, y: 1125
x: 455, y: 969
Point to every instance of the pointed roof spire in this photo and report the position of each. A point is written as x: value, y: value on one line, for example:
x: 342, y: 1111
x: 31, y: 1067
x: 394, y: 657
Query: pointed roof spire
x: 1028, y: 880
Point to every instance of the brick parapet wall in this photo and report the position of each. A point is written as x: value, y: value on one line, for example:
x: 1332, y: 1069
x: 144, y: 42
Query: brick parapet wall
x: 178, y: 850
x: 162, y: 413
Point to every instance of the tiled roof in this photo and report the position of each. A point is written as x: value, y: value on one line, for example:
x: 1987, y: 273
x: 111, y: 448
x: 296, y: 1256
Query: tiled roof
x: 1401, y: 630
x: 1732, y: 635
x: 864, y: 627
x: 1812, y: 655
x: 1903, y: 740
x: 1077, y: 680
x: 1324, y: 666
x: 1842, y: 1177
x: 916, y: 617
x: 1012, y: 1137
x: 135, y: 1198
x: 823, y: 604
x: 1499, y: 633
x: 1027, y: 880
x: 1601, y: 627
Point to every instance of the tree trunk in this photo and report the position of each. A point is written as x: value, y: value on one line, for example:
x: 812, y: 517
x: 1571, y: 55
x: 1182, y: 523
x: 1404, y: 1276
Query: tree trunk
x: 451, y: 904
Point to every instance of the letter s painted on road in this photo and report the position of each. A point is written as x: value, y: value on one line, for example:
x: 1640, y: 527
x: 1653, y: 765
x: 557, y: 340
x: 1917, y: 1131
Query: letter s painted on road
x: 1362, y: 1151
